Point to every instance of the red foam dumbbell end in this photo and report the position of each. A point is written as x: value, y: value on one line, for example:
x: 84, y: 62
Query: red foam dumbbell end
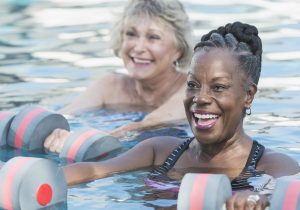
x: 44, y: 194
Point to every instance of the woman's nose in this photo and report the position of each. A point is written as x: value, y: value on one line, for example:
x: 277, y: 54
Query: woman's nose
x: 140, y: 45
x: 203, y: 96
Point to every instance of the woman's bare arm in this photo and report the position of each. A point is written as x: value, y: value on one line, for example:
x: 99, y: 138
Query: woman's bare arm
x: 278, y: 164
x: 170, y: 112
x: 93, y: 97
x: 140, y: 156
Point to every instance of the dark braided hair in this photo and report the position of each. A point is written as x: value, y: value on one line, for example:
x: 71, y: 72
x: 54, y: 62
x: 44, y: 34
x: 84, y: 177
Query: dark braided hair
x: 240, y: 38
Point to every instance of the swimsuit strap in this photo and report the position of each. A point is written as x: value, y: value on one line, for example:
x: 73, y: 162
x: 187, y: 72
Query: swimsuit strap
x: 172, y: 158
x: 256, y: 153
x: 241, y: 182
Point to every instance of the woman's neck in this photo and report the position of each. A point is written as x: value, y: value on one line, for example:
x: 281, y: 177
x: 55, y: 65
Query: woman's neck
x: 234, y: 147
x: 157, y: 90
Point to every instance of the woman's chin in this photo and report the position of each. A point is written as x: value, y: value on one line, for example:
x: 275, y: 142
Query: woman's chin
x: 140, y: 76
x: 206, y: 133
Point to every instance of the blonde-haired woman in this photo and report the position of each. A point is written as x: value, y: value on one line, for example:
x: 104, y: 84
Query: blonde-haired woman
x: 153, y: 39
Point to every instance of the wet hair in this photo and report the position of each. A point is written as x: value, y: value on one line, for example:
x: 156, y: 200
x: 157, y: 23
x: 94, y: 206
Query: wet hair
x: 240, y: 38
x: 168, y: 12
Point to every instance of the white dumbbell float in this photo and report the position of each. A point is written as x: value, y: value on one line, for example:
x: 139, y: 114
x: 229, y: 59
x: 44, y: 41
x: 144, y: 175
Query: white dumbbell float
x: 31, y: 183
x: 28, y: 129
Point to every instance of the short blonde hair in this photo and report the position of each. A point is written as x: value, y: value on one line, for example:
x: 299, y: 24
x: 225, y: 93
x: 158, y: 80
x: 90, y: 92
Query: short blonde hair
x: 170, y: 12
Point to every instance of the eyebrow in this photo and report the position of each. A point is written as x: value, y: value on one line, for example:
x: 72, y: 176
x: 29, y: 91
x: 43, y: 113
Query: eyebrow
x: 130, y: 27
x: 219, y: 78
x: 150, y: 29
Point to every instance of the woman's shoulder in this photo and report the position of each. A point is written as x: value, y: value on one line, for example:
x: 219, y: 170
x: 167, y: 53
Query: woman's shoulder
x: 114, y: 79
x: 278, y: 164
x: 163, y: 146
x: 164, y: 142
x: 114, y: 87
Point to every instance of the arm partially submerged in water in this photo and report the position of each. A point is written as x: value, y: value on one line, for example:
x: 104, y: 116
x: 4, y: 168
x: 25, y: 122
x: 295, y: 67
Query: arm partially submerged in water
x: 93, y: 96
x: 154, y: 151
x: 140, y: 156
x: 148, y: 153
x: 170, y: 112
x: 278, y: 164
x: 96, y: 97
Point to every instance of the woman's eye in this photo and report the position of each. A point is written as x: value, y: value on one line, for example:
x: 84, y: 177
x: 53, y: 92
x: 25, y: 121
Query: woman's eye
x: 129, y: 33
x: 191, y: 85
x: 153, y: 36
x: 219, y: 88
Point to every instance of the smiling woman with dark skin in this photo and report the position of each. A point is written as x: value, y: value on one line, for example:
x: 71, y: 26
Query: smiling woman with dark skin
x: 220, y: 88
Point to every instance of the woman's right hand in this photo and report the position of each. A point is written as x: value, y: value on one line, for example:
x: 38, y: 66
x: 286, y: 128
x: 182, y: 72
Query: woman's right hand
x: 55, y: 141
x: 247, y: 200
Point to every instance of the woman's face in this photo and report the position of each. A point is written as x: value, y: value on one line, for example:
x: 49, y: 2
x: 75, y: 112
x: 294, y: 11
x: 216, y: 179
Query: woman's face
x: 148, y: 48
x: 215, y: 96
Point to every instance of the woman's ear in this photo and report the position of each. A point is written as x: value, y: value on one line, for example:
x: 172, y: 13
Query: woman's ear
x: 250, y: 91
x: 177, y: 55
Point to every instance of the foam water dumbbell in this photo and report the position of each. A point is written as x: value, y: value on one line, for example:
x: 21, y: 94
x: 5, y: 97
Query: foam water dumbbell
x: 31, y: 183
x: 32, y: 125
x: 203, y: 192
x: 6, y: 118
x: 1, y: 164
x: 87, y: 143
x: 286, y: 195
x: 210, y: 192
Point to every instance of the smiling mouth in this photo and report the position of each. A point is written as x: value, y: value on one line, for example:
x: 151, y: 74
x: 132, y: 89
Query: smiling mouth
x: 205, y: 121
x: 141, y: 61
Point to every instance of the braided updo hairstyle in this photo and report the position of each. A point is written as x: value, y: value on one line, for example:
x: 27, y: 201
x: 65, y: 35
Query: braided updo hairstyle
x: 241, y: 39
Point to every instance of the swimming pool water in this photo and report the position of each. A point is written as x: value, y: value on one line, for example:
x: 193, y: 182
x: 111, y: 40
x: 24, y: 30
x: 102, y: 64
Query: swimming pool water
x: 51, y: 49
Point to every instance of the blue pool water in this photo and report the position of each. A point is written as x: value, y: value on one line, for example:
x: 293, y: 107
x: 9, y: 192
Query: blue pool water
x: 51, y: 49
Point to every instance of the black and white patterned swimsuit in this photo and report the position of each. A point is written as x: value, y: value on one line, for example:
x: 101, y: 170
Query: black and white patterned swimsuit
x: 240, y: 182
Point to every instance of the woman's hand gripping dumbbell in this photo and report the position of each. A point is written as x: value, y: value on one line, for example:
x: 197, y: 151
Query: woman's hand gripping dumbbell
x: 213, y: 192
x: 29, y: 128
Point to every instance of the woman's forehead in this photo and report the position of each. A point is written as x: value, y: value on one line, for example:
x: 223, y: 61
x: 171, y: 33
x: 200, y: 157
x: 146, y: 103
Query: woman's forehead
x: 154, y: 22
x: 215, y: 56
x: 219, y: 62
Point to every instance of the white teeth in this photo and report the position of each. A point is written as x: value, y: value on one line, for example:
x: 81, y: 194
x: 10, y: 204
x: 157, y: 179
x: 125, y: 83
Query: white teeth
x: 136, y: 60
x: 205, y: 116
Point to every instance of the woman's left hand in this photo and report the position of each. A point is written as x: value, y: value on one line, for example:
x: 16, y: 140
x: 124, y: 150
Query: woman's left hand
x: 133, y: 127
x: 55, y: 141
x: 247, y: 200
x: 122, y: 131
